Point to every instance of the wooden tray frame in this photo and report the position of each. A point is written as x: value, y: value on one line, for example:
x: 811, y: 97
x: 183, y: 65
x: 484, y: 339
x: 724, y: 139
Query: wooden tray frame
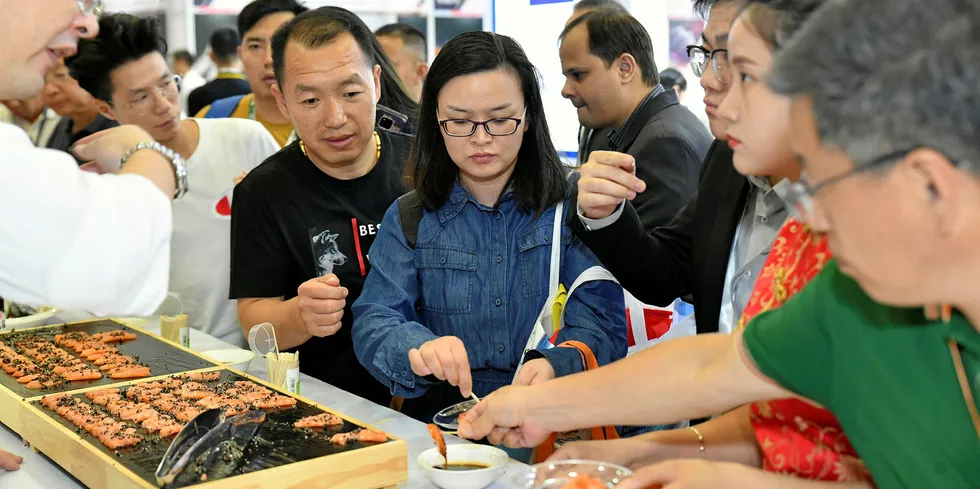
x: 384, y: 465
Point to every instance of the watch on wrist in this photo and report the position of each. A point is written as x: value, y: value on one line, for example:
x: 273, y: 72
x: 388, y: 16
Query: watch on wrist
x: 176, y: 161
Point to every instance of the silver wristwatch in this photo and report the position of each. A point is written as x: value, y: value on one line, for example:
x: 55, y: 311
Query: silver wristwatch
x: 180, y: 171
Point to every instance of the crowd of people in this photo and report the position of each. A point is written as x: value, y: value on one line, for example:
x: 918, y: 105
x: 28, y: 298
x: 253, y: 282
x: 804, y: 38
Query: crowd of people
x: 409, y: 227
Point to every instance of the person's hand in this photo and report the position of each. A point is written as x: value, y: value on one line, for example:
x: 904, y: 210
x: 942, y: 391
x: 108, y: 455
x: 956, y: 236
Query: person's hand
x: 9, y: 461
x: 692, y: 474
x: 501, y: 418
x: 628, y: 452
x: 607, y: 180
x: 104, y: 150
x: 535, y: 372
x: 321, y: 304
x: 446, y: 359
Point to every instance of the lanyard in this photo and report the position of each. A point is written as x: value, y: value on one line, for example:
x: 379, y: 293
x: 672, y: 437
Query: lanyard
x: 971, y: 406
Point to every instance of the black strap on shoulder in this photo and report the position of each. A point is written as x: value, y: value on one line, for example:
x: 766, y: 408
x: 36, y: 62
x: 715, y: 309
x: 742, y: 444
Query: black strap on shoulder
x: 410, y: 212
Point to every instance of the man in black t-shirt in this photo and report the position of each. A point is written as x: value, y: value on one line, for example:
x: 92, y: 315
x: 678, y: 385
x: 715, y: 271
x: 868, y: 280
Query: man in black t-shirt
x: 303, y: 221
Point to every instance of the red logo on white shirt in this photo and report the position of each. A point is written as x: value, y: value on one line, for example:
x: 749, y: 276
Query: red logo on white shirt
x: 222, y: 208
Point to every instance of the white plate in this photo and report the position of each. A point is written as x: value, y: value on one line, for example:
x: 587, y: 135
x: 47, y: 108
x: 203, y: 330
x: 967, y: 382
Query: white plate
x: 235, y: 358
x: 44, y: 313
x: 495, y: 458
x: 556, y: 475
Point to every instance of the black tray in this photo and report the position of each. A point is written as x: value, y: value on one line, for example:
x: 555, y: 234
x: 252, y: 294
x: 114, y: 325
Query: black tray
x: 163, y: 358
x: 286, y: 443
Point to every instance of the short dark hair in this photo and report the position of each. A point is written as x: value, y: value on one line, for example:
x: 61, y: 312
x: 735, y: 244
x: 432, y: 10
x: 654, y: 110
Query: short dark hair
x: 615, y: 32
x: 224, y: 43
x: 318, y: 27
x: 539, y: 178
x: 671, y: 77
x: 597, y: 4
x: 409, y: 35
x: 183, y: 55
x: 254, y: 12
x: 703, y: 7
x: 122, y: 38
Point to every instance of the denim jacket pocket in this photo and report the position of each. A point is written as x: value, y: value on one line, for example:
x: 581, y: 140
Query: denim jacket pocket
x: 534, y: 255
x: 446, y: 278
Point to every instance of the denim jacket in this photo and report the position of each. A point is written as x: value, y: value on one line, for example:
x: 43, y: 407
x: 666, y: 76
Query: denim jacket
x: 481, y: 274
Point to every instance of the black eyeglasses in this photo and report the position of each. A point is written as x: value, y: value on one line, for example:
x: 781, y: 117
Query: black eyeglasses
x: 501, y: 126
x: 718, y: 58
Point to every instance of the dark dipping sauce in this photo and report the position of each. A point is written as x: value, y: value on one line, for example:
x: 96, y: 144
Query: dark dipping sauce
x: 461, y: 466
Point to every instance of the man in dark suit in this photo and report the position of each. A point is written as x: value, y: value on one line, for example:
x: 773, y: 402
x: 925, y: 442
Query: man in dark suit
x: 612, y: 80
x: 230, y: 81
x: 715, y: 246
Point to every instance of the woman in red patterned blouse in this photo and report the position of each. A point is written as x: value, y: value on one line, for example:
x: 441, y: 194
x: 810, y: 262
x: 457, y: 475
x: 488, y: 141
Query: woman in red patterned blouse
x: 787, y: 437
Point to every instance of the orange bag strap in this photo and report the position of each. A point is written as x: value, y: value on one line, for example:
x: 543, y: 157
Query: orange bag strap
x: 546, y: 449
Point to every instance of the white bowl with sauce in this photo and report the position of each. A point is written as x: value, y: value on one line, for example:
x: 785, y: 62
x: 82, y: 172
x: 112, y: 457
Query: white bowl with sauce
x: 471, y: 466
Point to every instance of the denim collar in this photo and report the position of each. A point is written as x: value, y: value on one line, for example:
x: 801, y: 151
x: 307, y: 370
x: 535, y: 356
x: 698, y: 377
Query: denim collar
x: 460, y: 196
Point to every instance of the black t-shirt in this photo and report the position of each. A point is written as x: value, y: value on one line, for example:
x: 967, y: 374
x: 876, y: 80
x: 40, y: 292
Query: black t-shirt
x: 291, y: 223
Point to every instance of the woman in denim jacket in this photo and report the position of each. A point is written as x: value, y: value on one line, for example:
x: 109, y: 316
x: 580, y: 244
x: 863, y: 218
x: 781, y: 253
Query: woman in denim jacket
x: 453, y: 315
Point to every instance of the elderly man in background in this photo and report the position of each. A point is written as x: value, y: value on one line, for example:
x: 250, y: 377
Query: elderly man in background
x: 79, y: 113
x: 31, y: 115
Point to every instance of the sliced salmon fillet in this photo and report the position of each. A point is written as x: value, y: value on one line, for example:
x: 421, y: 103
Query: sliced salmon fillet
x: 135, y: 372
x: 101, y: 392
x: 82, y: 375
x: 361, y: 434
x: 171, y: 429
x: 203, y: 376
x: 319, y: 421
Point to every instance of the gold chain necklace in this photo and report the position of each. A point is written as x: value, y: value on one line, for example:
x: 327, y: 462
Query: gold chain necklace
x: 377, y: 142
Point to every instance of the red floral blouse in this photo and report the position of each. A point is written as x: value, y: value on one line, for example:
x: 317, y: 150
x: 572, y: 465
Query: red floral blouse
x: 796, y: 437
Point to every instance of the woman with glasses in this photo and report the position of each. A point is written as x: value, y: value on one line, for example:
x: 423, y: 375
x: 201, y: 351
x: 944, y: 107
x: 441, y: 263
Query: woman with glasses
x: 448, y: 313
x: 786, y: 436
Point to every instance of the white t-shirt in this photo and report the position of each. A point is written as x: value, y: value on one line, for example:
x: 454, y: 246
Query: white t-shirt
x: 190, y: 82
x: 201, y: 244
x: 77, y: 240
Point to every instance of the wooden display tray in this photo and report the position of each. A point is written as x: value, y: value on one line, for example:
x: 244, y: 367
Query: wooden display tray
x: 383, y: 465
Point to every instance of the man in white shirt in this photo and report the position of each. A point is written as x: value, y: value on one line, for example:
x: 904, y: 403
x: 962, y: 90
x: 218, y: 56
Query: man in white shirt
x: 32, y: 117
x: 125, y: 69
x: 72, y: 238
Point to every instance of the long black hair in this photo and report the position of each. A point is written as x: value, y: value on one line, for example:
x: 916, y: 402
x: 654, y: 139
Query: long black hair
x: 539, y: 178
x: 317, y: 27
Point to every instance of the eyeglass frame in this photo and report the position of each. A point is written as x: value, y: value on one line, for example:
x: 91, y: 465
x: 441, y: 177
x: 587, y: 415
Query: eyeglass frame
x: 477, y: 124
x: 801, y: 194
x: 156, y: 92
x: 96, y: 7
x: 712, y: 58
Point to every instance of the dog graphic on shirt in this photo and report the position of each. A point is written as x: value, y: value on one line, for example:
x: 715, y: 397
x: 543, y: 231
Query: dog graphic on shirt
x: 327, y: 252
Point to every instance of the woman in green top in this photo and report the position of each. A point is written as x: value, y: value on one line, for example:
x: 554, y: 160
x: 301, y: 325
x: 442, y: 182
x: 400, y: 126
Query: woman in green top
x: 885, y: 120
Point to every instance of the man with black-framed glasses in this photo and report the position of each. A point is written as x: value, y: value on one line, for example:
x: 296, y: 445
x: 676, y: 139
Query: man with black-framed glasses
x: 125, y: 69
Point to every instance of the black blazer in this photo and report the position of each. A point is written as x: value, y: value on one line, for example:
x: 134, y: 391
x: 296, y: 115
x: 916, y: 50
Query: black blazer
x: 668, y: 143
x: 687, y: 256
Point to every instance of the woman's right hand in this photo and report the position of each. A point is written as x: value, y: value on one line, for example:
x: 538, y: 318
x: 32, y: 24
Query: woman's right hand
x: 628, y: 452
x: 446, y: 359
